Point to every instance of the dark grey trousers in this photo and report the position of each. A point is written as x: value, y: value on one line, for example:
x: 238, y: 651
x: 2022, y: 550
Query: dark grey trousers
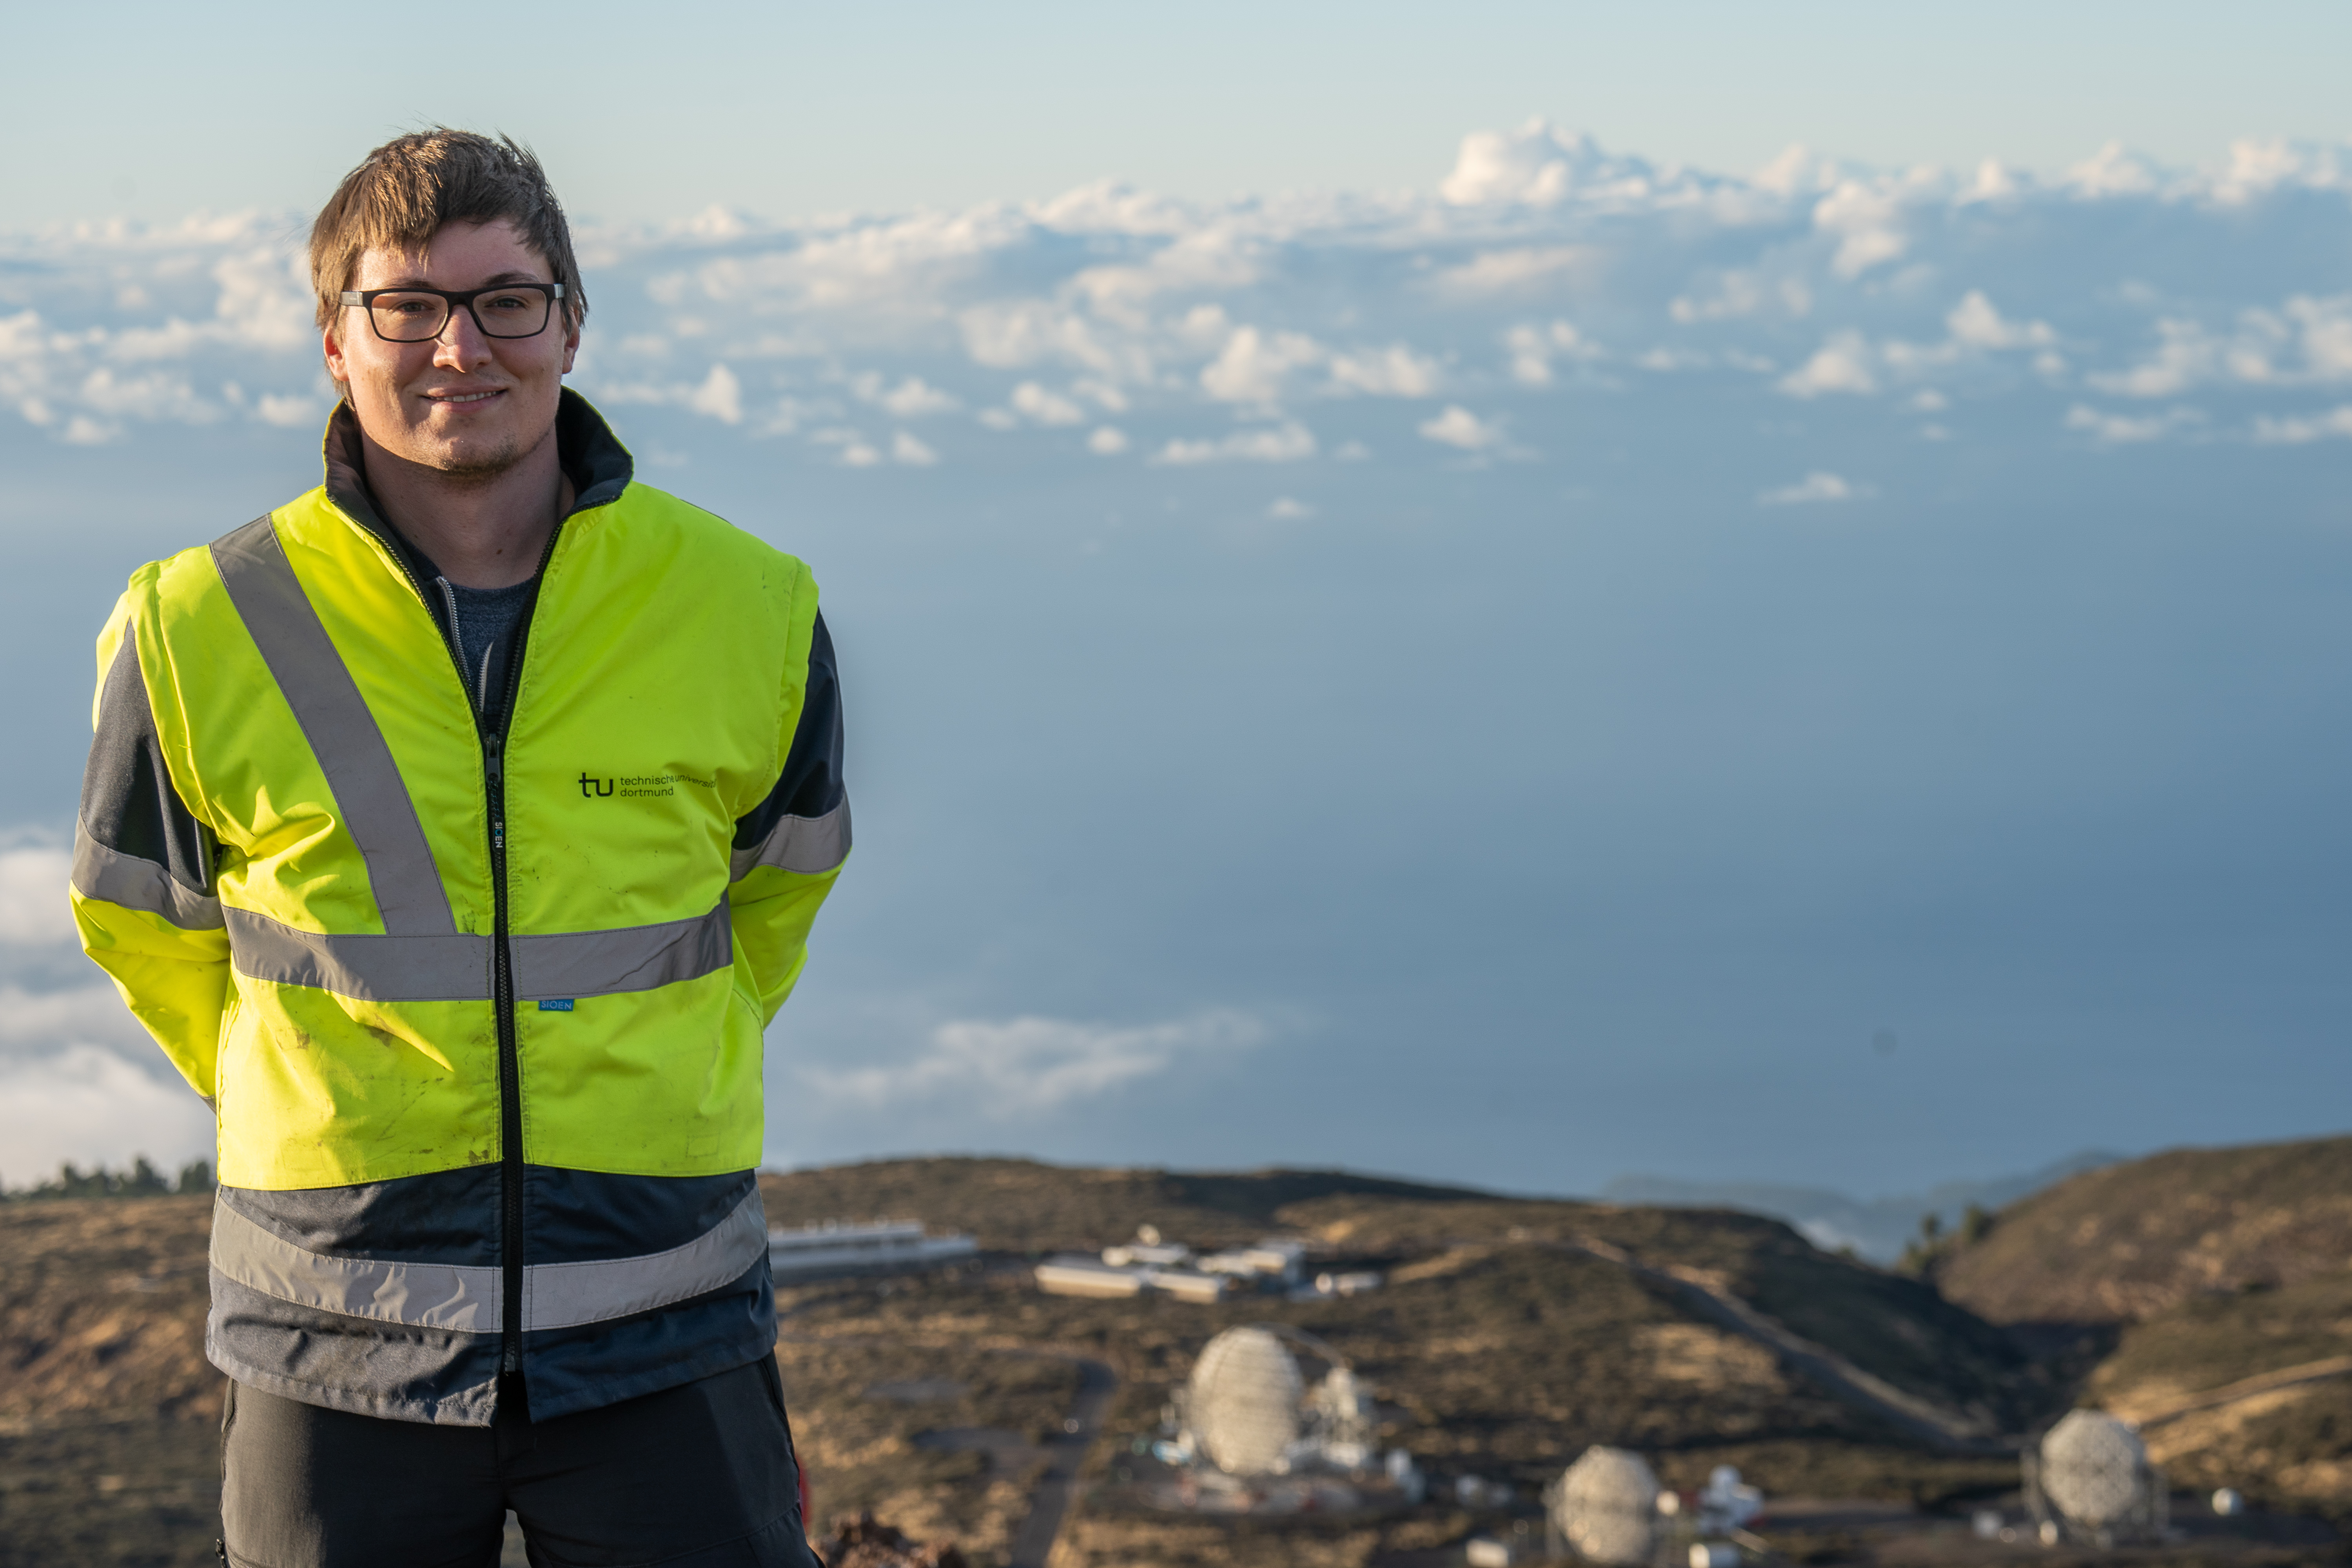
x: 701, y: 1475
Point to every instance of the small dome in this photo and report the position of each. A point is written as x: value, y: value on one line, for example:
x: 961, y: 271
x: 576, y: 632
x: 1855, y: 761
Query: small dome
x: 2094, y: 1467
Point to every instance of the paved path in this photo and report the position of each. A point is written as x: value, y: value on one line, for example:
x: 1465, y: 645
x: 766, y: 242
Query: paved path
x: 1033, y: 1542
x: 1925, y: 1419
x: 2247, y: 1388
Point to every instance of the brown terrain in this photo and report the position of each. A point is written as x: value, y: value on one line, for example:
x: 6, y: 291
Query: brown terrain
x: 2124, y: 1243
x: 2209, y: 1291
x: 1511, y: 1334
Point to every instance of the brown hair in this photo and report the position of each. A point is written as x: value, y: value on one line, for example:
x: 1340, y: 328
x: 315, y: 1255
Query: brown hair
x: 403, y: 191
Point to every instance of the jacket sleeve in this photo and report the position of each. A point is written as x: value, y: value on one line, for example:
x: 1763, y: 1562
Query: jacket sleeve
x: 142, y: 869
x: 790, y: 847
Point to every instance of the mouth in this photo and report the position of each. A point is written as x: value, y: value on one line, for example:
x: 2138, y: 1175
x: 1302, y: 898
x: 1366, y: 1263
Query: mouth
x: 463, y: 399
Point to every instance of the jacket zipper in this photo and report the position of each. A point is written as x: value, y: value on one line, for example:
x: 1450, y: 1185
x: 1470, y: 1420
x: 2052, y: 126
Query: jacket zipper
x: 510, y: 1173
x: 493, y: 743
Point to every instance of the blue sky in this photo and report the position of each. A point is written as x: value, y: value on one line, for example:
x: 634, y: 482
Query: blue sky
x: 787, y: 109
x: 1493, y: 653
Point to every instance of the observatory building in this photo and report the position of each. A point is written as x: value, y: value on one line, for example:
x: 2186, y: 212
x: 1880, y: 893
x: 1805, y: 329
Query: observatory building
x: 1149, y: 1265
x: 881, y: 1247
x: 1253, y: 1433
x: 1604, y: 1509
x: 2091, y: 1480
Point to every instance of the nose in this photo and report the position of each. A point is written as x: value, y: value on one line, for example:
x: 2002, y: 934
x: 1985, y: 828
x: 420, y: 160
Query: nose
x: 461, y: 344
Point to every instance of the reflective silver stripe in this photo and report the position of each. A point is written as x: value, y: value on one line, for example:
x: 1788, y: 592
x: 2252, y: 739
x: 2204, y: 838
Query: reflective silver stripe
x: 565, y: 1295
x: 634, y: 958
x: 135, y: 884
x: 342, y: 732
x: 809, y: 845
x: 464, y: 1298
x: 457, y: 968
x: 461, y: 1298
x: 369, y: 968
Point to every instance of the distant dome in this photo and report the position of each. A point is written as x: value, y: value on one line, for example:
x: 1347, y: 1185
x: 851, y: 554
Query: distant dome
x: 1242, y: 1401
x: 1607, y: 1505
x: 2095, y: 1469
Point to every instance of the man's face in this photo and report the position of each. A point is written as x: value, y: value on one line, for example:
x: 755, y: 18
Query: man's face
x: 464, y: 403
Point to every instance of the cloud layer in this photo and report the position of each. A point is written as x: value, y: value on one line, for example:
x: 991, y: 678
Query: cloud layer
x: 1542, y: 266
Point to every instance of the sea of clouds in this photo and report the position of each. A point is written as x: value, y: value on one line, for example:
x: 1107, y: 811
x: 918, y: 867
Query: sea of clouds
x: 1112, y: 325
x: 1331, y: 632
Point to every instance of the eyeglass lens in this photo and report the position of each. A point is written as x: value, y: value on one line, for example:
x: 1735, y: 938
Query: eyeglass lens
x: 501, y: 313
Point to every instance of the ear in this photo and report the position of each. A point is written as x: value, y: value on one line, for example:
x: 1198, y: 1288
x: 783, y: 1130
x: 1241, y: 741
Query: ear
x: 334, y: 351
x: 571, y: 340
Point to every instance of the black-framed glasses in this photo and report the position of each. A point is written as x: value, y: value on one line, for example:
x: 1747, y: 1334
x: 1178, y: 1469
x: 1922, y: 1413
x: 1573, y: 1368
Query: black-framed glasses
x: 417, y: 315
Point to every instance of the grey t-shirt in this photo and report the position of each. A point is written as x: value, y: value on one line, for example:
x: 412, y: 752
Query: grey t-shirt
x: 486, y: 621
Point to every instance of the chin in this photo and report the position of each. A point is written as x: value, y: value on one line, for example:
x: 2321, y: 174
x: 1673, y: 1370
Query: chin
x: 476, y: 460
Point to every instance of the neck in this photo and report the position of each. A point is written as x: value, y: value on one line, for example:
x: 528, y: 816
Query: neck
x: 483, y: 530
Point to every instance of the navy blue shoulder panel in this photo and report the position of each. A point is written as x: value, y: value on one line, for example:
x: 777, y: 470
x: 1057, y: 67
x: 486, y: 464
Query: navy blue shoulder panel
x: 128, y: 803
x: 811, y: 783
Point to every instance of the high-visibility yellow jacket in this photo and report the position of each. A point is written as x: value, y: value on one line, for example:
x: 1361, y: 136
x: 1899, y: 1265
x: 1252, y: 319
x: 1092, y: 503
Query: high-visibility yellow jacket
x: 476, y: 987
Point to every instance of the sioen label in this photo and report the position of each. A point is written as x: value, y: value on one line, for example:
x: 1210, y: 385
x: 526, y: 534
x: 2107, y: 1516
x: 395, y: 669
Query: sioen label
x: 556, y: 1004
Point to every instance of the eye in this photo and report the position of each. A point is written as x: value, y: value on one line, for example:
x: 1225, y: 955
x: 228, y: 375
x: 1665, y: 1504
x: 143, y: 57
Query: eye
x: 509, y: 303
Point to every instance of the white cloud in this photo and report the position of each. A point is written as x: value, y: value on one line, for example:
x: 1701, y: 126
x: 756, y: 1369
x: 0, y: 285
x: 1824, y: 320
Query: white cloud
x: 2295, y: 430
x: 1393, y: 372
x: 1046, y: 407
x: 90, y: 1106
x: 92, y: 1014
x: 1740, y: 293
x: 906, y: 449
x: 1538, y: 165
x: 1534, y: 345
x: 2119, y: 429
x: 1287, y: 443
x: 856, y: 451
x: 1992, y: 182
x: 1030, y: 1066
x: 1521, y: 270
x: 34, y: 907
x: 1107, y: 441
x: 291, y: 411
x: 1817, y: 485
x: 1975, y: 321
x: 911, y: 399
x: 1017, y: 334
x: 720, y: 396
x: 1253, y: 364
x: 1289, y: 509
x: 1868, y: 220
x: 1840, y: 365
x: 2114, y: 172
x: 1457, y: 426
x: 1793, y: 171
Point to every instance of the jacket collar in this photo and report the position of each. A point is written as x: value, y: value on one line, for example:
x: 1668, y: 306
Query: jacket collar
x: 593, y: 457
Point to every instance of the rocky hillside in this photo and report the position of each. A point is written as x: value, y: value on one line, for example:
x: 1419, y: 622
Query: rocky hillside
x: 2214, y: 1289
x: 1886, y: 1327
x: 2123, y: 1244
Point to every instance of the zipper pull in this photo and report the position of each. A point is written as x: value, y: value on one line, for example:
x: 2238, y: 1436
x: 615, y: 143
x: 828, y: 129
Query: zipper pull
x: 512, y: 1361
x: 494, y: 771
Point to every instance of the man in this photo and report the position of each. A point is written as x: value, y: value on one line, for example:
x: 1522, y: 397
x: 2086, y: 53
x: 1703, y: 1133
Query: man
x: 456, y: 828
